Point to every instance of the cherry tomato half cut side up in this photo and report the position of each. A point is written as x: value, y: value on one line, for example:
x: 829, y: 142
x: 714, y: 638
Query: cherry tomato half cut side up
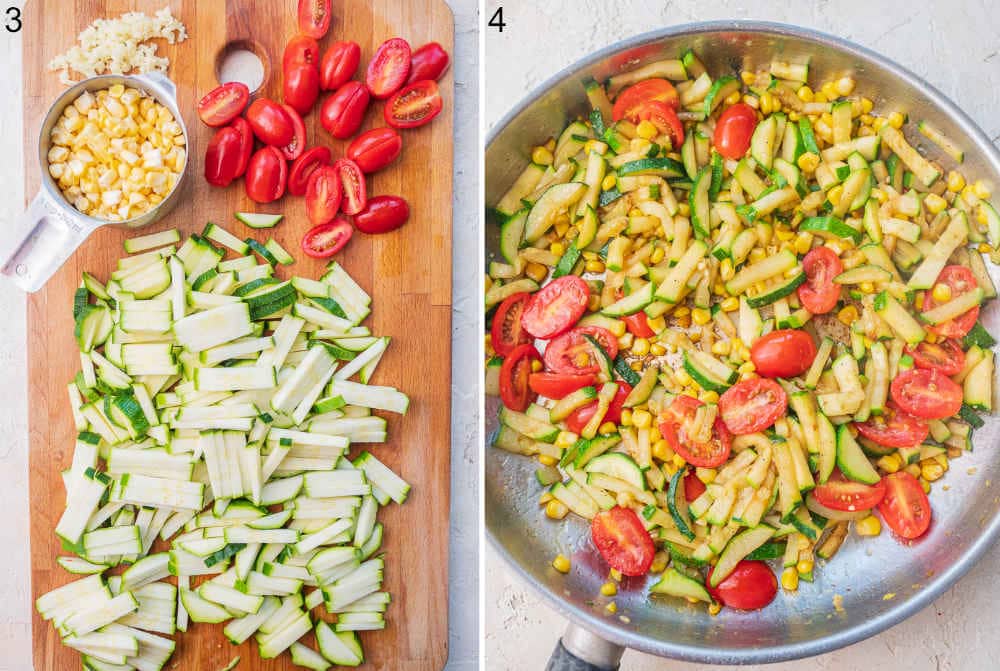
x: 267, y: 175
x: 839, y: 493
x: 375, y: 149
x: 753, y: 405
x: 325, y: 240
x: 582, y: 415
x: 750, y: 586
x: 572, y: 353
x: 960, y: 280
x: 342, y: 113
x: 352, y: 185
x: 300, y: 49
x: 733, y: 131
x: 314, y: 18
x: 382, y: 214
x: 388, y: 68
x: 301, y: 86
x: 638, y: 325
x: 819, y: 294
x: 559, y: 385
x: 242, y: 126
x: 323, y: 195
x: 506, y: 332
x: 223, y: 103
x: 556, y: 307
x: 664, y: 118
x: 623, y: 541
x: 294, y: 149
x: 708, y: 454
x: 945, y: 356
x: 303, y: 167
x: 783, y: 353
x: 222, y: 156
x: 905, y: 507
x: 413, y: 106
x: 270, y: 122
x: 428, y: 62
x: 339, y: 64
x: 894, y: 428
x: 693, y: 487
x: 631, y: 99
x: 514, y: 374
x: 926, y: 394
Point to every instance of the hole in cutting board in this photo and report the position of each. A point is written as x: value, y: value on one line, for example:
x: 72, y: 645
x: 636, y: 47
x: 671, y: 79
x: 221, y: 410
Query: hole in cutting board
x: 242, y: 61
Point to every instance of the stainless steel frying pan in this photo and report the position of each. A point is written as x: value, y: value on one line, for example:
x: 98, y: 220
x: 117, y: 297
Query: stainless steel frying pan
x: 966, y: 516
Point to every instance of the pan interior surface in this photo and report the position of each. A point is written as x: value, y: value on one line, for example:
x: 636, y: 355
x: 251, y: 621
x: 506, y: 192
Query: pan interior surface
x: 876, y: 582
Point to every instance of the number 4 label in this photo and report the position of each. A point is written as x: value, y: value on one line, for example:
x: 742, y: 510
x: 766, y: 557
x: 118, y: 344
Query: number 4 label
x: 496, y: 21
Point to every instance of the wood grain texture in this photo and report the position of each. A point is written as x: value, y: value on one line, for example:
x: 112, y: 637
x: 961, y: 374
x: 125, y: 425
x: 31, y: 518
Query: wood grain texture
x: 407, y: 273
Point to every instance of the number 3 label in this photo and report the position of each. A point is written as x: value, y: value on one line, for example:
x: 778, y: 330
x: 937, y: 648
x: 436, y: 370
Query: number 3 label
x: 13, y: 24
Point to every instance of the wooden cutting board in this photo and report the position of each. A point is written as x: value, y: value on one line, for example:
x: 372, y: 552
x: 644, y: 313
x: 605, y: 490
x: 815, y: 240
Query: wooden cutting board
x: 407, y: 273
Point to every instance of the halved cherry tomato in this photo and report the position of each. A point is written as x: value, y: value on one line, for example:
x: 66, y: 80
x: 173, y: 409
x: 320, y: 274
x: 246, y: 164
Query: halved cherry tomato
x: 664, y: 118
x: 559, y: 385
x: 514, y: 373
x: 556, y: 307
x: 783, y: 353
x: 223, y: 103
x: 819, y: 294
x: 270, y: 122
x: 960, y: 280
x: 579, y: 417
x: 323, y: 195
x: 750, y: 586
x: 339, y: 64
x: 342, y: 113
x: 388, y: 68
x: 304, y: 165
x: 631, y: 99
x: 733, y: 131
x: 352, y: 185
x: 325, y: 240
x: 382, y: 214
x: 242, y: 126
x: 428, y: 62
x: 673, y: 425
x: 314, y: 17
x: 267, y: 175
x: 693, y: 487
x: 506, y: 332
x: 300, y: 49
x: 839, y: 493
x: 415, y: 105
x: 927, y: 394
x: 623, y: 541
x: 894, y: 428
x: 301, y: 86
x: 222, y: 156
x: 945, y: 356
x: 905, y: 507
x: 294, y: 149
x: 753, y: 405
x: 638, y: 325
x: 375, y: 149
x: 572, y: 353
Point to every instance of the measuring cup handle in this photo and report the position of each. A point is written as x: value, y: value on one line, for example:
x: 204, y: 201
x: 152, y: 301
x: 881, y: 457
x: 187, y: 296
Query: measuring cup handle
x: 580, y: 650
x: 38, y: 244
x: 161, y: 81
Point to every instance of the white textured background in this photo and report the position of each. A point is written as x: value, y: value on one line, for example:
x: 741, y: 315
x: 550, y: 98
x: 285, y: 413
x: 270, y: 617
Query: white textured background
x: 15, y: 591
x: 956, y: 46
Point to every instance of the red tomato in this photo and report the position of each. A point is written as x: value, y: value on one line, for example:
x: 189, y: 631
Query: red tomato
x: 506, y: 332
x: 733, y: 131
x: 556, y: 307
x: 343, y: 112
x: 638, y: 325
x: 819, y: 294
x: 375, y: 149
x: 927, y: 394
x: 413, y: 106
x: 301, y: 86
x: 267, y: 175
x: 558, y: 385
x: 664, y: 118
x: 352, y: 185
x: 894, y: 428
x: 750, y: 586
x: 382, y: 214
x: 945, y: 356
x: 839, y: 493
x: 623, y: 541
x: 325, y: 240
x: 905, y: 507
x: 631, y: 99
x: 340, y: 62
x: 752, y: 405
x: 693, y: 487
x: 304, y: 165
x: 960, y: 280
x: 270, y: 122
x: 783, y: 353
x: 222, y: 156
x: 300, y: 49
x: 242, y: 126
x: 673, y: 425
x: 322, y: 195
x: 572, y: 353
x: 388, y: 68
x: 579, y: 417
x: 514, y: 373
x: 294, y: 149
x: 223, y: 103
x: 314, y: 17
x: 428, y: 62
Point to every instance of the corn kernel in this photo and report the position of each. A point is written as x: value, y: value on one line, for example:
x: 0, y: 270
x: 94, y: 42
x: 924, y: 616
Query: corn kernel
x: 913, y: 469
x: 536, y: 271
x: 878, y: 123
x: 626, y: 417
x: 659, y: 564
x: 565, y: 439
x: 657, y: 324
x: 941, y: 292
x: 766, y: 100
x: 867, y: 105
x: 804, y: 566
x: 684, y: 322
x: 709, y: 397
x: 956, y: 181
x: 536, y: 366
x: 556, y: 510
x: 931, y: 338
x: 981, y: 189
x: 925, y: 485
x: 541, y: 156
x: 751, y: 100
x: 783, y: 233
x: 640, y: 347
x: 624, y: 342
x: 607, y: 427
x: 829, y: 90
x: 612, y: 607
x: 931, y: 471
x: 642, y: 419
x: 594, y: 266
x: 700, y: 316
x: 714, y: 608
x: 748, y: 77
x: 662, y: 451
x: 848, y: 315
x: 561, y: 563
x: 834, y: 194
x: 646, y: 130
x: 808, y: 162
x: 720, y: 347
x: 790, y: 579
x: 845, y: 86
x: 896, y: 120
x: 747, y: 367
x: 984, y: 248
x: 733, y: 98
x: 658, y: 254
x: 682, y: 377
x: 935, y: 203
x: 609, y: 182
x: 730, y: 304
x: 805, y: 94
x: 656, y: 349
x: 609, y: 588
x: 594, y: 303
x: 678, y: 461
x: 869, y: 526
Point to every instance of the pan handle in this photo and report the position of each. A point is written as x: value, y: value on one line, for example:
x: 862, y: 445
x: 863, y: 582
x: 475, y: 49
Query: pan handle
x: 580, y: 650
